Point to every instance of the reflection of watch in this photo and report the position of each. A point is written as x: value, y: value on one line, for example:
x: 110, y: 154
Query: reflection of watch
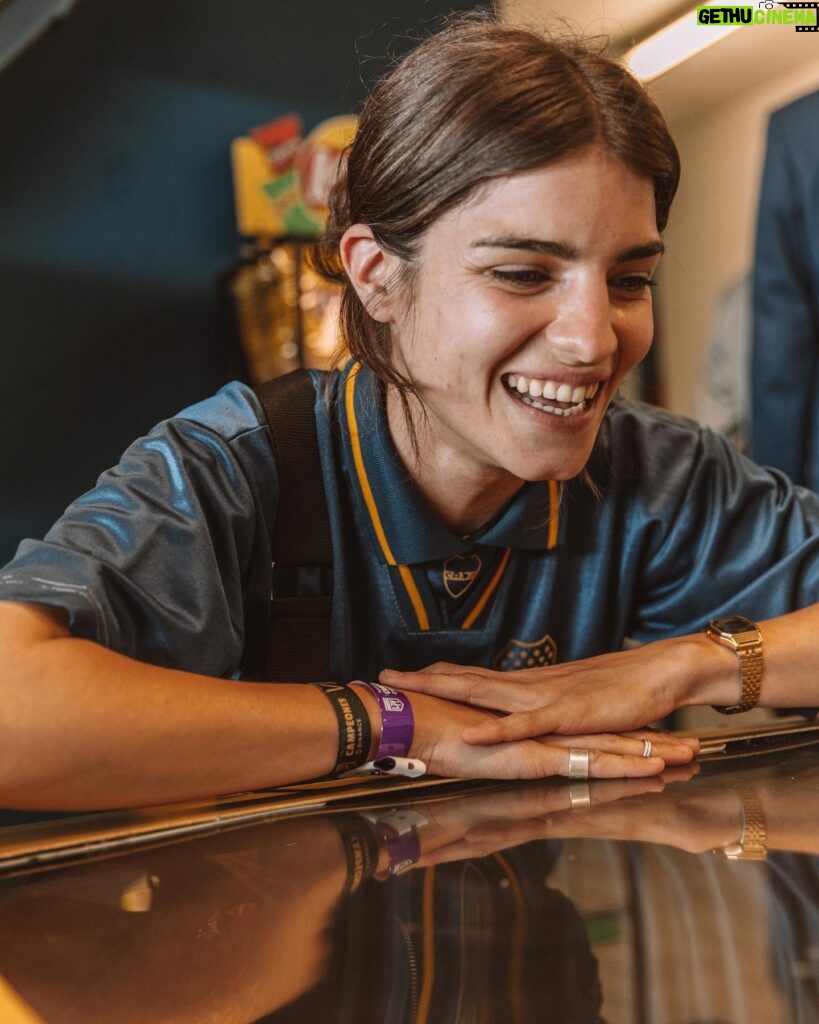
x: 745, y: 639
x: 752, y: 843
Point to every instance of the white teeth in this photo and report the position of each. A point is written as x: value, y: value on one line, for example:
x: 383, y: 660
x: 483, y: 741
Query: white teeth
x: 554, y: 410
x: 530, y: 388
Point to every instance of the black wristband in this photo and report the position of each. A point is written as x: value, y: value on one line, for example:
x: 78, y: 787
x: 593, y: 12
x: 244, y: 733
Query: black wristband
x: 360, y: 848
x: 354, y: 732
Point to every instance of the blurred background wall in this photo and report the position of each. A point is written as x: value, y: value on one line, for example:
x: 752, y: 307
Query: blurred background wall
x: 116, y: 209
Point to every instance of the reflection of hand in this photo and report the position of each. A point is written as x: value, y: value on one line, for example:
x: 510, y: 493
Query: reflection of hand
x: 702, y: 815
x: 478, y: 824
x: 439, y: 742
x: 609, y: 693
x: 686, y: 817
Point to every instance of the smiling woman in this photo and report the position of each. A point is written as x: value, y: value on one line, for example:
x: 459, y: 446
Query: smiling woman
x: 495, y: 512
x: 541, y: 278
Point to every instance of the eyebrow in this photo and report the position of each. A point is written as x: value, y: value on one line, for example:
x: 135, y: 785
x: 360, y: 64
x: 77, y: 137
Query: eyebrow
x: 561, y: 249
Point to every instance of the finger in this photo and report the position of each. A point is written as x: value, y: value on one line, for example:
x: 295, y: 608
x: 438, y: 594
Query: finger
x: 606, y: 791
x: 463, y: 686
x: 664, y: 734
x: 497, y: 835
x: 530, y: 760
x: 462, y: 849
x: 661, y: 745
x: 600, y: 792
x: 681, y: 772
x: 519, y: 726
x: 449, y: 668
x: 619, y: 766
x: 441, y: 668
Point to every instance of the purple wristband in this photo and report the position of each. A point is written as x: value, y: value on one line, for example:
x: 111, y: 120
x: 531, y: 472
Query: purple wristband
x: 397, y: 721
x: 404, y: 848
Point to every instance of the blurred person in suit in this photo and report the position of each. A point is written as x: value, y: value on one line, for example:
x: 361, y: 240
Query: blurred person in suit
x: 785, y: 342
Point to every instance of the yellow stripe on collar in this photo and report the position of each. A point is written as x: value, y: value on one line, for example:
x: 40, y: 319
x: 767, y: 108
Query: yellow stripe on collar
x: 493, y: 583
x: 361, y: 472
x: 554, y: 513
x: 372, y: 508
x: 414, y: 596
x: 551, y: 541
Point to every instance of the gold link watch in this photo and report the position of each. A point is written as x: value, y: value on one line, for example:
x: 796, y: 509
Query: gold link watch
x: 745, y: 639
x: 753, y: 841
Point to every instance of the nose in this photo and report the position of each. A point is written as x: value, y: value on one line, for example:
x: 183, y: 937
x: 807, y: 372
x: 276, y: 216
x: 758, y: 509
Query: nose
x: 582, y: 327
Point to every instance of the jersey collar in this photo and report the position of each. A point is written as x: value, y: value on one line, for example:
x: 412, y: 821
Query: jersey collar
x: 406, y: 530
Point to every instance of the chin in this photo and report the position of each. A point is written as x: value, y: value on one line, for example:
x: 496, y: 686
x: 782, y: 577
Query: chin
x: 533, y: 470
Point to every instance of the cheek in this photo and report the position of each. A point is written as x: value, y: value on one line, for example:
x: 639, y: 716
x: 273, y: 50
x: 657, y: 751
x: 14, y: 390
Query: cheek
x: 638, y: 333
x: 499, y: 324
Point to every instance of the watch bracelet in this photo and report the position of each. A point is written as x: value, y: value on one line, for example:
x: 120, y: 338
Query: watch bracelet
x: 754, y: 822
x: 753, y: 840
x: 754, y: 837
x: 750, y: 679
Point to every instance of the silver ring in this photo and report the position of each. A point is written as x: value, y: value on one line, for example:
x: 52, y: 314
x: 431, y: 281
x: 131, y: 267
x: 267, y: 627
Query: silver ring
x: 579, y: 794
x: 578, y: 763
x: 647, y: 748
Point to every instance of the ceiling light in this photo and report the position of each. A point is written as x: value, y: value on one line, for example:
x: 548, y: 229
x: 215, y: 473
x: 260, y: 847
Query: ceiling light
x: 674, y: 44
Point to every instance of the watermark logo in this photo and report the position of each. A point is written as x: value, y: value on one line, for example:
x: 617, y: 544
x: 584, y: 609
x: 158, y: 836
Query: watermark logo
x: 803, y: 16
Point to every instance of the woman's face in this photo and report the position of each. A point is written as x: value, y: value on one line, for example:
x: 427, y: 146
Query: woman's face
x: 529, y: 306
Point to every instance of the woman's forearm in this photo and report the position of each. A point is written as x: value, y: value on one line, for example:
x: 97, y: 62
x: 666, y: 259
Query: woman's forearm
x: 789, y: 679
x: 84, y: 727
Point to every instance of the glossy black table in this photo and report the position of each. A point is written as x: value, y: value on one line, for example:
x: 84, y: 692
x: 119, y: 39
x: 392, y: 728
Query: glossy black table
x: 623, y: 901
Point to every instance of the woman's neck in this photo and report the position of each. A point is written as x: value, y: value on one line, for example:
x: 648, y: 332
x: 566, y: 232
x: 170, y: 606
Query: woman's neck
x: 463, y: 495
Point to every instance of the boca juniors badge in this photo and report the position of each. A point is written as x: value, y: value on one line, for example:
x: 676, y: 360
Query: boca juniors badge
x: 460, y: 572
x: 518, y: 654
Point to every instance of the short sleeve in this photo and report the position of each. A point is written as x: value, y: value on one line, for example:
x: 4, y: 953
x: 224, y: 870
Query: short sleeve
x: 703, y: 530
x: 167, y: 559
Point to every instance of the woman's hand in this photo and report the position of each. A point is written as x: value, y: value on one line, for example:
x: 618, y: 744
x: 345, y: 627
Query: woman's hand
x: 609, y: 693
x: 690, y: 818
x: 439, y: 742
x: 481, y: 822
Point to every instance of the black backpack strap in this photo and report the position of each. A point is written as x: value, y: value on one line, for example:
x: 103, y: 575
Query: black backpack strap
x: 298, y: 648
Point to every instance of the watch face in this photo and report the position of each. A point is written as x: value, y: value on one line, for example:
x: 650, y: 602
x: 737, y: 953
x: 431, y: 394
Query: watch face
x: 733, y: 624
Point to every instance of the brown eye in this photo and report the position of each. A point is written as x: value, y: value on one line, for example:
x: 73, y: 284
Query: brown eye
x: 523, y: 277
x: 633, y: 283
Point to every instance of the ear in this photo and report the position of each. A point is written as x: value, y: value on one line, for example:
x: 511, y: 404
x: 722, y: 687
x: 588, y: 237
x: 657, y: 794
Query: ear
x: 370, y: 270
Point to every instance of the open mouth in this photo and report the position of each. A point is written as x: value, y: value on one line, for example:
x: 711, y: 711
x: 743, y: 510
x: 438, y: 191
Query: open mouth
x: 551, y: 396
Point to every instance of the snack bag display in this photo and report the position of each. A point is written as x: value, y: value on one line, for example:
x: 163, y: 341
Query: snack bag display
x: 282, y: 179
x: 286, y: 314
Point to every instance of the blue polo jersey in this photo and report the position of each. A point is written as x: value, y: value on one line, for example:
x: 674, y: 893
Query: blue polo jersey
x: 168, y: 558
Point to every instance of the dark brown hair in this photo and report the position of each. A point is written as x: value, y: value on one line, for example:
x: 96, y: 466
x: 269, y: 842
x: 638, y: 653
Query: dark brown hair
x: 473, y: 102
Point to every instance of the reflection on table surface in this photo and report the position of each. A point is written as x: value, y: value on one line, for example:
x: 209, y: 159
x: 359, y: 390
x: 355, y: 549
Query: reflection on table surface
x: 532, y: 902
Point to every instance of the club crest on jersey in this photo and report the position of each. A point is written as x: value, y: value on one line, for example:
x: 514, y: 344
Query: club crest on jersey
x: 519, y: 654
x: 460, y: 572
